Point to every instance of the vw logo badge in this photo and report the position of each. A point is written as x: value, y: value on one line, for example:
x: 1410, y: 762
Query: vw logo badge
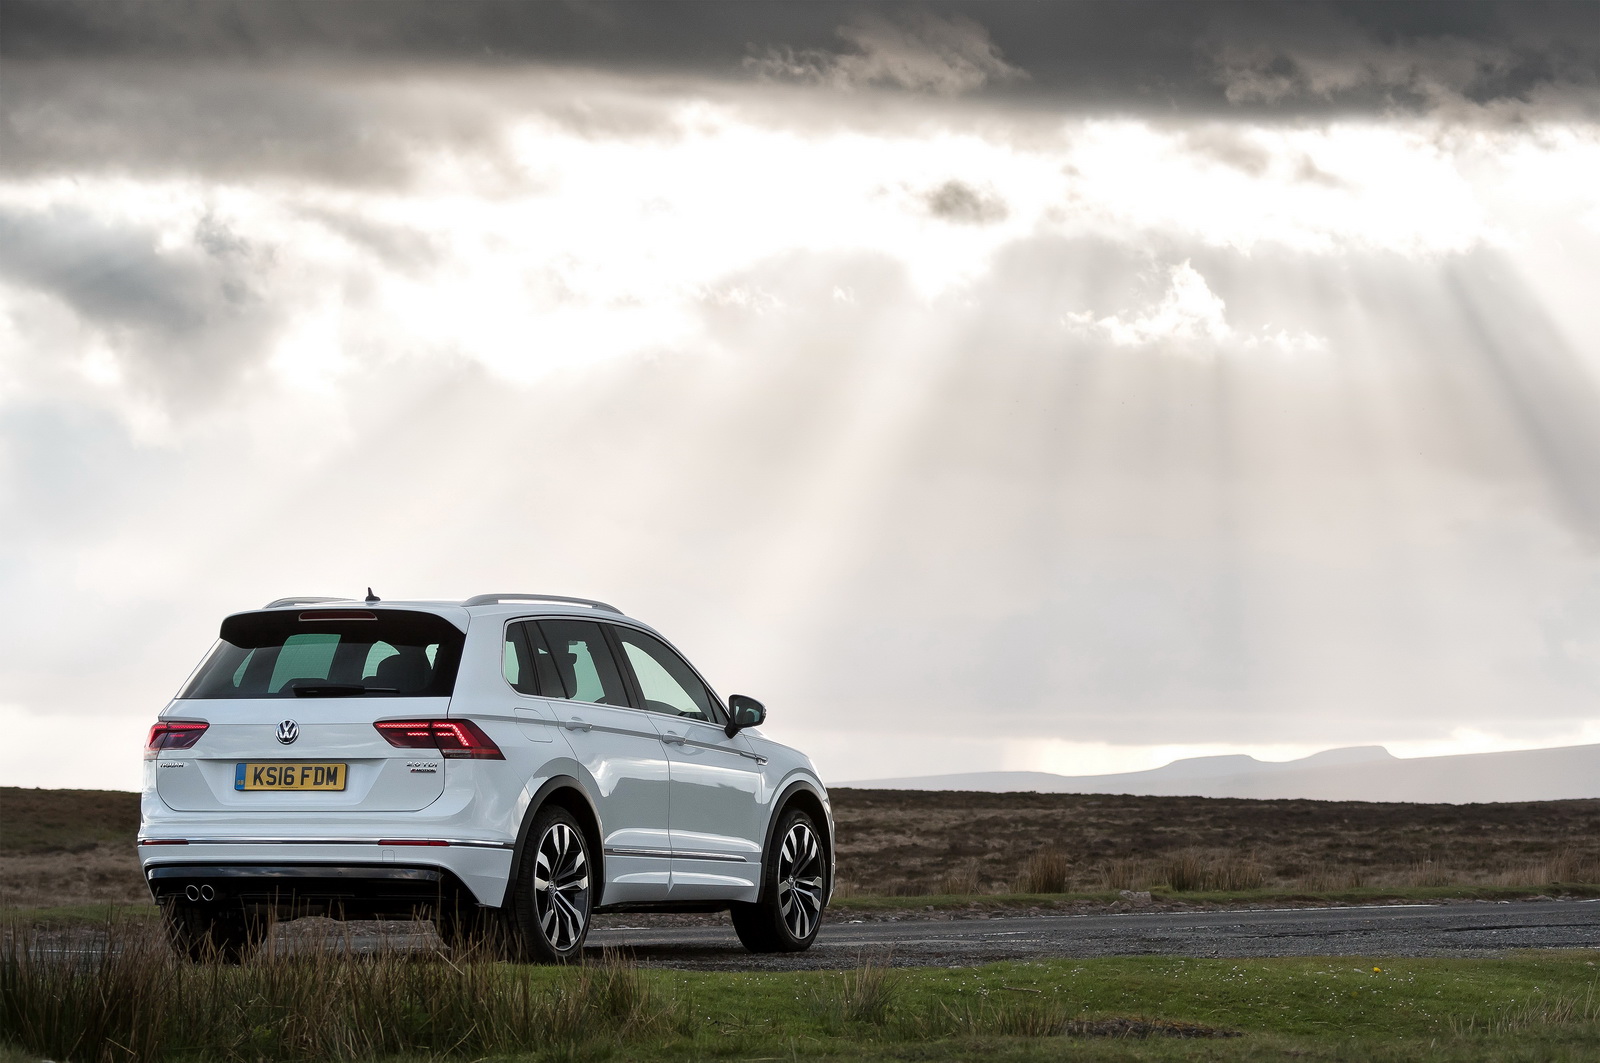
x: 288, y: 731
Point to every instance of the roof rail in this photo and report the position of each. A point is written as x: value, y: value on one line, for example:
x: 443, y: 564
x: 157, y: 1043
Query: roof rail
x: 486, y: 599
x: 302, y: 601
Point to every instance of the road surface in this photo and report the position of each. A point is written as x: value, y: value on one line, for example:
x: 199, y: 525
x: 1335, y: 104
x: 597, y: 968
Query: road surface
x: 1486, y: 929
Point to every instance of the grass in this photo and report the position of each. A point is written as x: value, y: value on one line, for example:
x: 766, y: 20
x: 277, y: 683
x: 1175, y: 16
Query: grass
x: 134, y: 1002
x: 1046, y: 871
x: 80, y: 915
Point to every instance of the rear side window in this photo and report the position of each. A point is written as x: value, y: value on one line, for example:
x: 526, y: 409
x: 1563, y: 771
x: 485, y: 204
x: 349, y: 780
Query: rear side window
x: 331, y: 653
x: 584, y: 666
x: 527, y: 663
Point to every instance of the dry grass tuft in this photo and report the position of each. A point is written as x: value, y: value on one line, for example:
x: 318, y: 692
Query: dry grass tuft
x: 126, y: 998
x: 1192, y: 870
x: 962, y: 880
x: 1532, y: 1015
x: 863, y: 995
x: 1127, y: 873
x: 1045, y: 872
x: 1428, y: 873
x: 1329, y: 877
x: 1565, y: 866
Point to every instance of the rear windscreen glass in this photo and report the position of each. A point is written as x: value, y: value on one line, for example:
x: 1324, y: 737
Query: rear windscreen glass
x: 331, y: 653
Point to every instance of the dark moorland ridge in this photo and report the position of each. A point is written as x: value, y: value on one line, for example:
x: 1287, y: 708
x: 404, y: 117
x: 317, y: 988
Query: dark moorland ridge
x: 76, y: 846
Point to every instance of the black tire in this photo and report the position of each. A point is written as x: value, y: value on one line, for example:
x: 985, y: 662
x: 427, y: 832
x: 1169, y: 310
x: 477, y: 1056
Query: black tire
x: 553, y: 895
x: 213, y: 933
x: 793, y: 890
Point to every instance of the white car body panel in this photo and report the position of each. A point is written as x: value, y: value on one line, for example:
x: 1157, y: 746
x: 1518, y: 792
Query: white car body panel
x: 625, y: 767
x: 717, y: 816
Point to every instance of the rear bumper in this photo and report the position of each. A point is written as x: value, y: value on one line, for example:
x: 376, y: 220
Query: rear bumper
x: 318, y: 873
x: 351, y: 892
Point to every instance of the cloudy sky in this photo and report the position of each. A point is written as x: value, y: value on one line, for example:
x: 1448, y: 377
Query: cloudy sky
x: 1064, y: 387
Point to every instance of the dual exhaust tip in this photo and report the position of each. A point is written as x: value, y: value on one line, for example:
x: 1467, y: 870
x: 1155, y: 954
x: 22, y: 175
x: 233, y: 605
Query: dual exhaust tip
x: 200, y: 893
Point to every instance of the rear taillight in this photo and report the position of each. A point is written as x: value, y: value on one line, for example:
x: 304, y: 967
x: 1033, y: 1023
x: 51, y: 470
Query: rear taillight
x: 453, y: 738
x: 174, y: 734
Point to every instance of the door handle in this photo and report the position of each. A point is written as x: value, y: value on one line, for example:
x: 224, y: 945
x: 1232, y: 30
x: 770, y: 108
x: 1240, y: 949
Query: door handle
x: 576, y: 724
x: 674, y: 739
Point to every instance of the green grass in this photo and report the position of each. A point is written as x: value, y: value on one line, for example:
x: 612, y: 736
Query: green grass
x: 136, y: 1003
x: 88, y: 915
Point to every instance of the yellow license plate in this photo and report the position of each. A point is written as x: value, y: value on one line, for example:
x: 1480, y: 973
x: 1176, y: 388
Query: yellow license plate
x: 299, y: 776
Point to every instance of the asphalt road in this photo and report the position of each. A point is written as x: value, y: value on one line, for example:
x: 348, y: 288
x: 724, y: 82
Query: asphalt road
x: 1459, y: 929
x: 1408, y: 930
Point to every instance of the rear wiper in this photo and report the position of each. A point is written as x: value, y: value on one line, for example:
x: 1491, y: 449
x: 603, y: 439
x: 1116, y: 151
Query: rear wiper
x: 338, y: 690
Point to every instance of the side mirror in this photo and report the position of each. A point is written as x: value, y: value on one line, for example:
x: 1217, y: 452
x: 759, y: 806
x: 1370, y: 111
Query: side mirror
x: 745, y: 712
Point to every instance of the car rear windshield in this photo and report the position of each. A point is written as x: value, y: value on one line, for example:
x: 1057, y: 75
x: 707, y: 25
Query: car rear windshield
x: 331, y: 653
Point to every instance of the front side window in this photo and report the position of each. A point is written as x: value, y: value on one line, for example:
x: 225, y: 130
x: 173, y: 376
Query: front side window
x: 667, y: 682
x: 583, y: 663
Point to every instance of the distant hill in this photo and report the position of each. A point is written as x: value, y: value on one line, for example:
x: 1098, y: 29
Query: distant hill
x: 1357, y: 773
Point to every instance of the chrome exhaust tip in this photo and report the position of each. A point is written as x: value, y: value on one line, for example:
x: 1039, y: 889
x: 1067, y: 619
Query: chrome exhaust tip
x: 192, y: 892
x: 207, y: 893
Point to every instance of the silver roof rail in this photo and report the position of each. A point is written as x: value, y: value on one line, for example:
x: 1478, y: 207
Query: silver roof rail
x: 302, y: 601
x: 487, y: 599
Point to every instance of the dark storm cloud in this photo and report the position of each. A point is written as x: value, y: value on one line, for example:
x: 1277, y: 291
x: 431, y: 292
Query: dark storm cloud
x: 234, y: 123
x: 1157, y: 55
x: 361, y: 94
x: 110, y: 275
x: 182, y: 320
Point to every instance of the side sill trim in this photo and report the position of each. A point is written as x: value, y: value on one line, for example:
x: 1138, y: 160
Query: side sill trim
x: 666, y: 854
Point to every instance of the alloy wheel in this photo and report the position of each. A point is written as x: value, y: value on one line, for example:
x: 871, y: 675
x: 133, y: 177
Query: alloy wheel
x: 561, y: 887
x: 800, y: 881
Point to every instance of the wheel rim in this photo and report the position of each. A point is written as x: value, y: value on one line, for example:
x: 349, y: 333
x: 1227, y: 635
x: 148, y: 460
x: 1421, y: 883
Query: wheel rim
x: 561, y: 887
x: 800, y: 881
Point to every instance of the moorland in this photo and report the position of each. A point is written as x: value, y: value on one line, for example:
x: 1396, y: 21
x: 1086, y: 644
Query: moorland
x: 75, y: 847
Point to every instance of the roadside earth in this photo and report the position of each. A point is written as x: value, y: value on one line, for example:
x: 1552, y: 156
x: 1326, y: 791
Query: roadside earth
x: 103, y: 873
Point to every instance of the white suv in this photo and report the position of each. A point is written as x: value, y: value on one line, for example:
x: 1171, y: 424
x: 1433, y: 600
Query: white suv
x: 506, y: 765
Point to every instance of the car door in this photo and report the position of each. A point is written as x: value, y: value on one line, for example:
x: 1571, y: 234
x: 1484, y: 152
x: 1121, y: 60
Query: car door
x: 718, y: 793
x: 620, y: 750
